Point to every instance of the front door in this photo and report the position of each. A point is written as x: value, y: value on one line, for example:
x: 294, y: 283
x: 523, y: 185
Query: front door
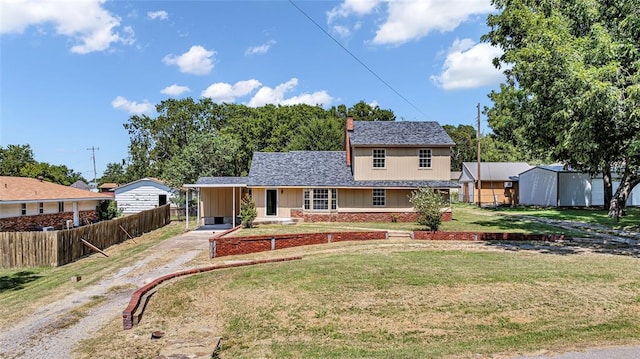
x: 272, y: 202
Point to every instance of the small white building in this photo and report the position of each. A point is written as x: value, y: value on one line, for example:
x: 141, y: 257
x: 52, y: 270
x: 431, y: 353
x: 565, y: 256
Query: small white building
x: 143, y: 194
x: 556, y: 186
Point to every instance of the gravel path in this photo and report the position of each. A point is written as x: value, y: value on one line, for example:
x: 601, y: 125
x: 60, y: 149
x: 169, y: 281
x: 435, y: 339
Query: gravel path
x: 53, y: 331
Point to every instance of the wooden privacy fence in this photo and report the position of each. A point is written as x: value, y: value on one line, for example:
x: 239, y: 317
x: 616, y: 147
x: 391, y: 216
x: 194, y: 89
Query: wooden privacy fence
x: 56, y: 248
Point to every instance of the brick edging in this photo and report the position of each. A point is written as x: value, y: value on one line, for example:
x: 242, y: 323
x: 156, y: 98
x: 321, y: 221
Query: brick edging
x: 136, y: 298
x: 222, y: 234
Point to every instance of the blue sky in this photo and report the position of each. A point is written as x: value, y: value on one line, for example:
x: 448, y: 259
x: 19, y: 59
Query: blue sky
x: 73, y: 72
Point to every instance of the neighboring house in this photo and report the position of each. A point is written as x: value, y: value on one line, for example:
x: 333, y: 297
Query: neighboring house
x: 143, y: 194
x: 372, y: 180
x: 499, y: 182
x: 28, y: 204
x: 108, y: 188
x: 81, y: 185
x: 558, y: 186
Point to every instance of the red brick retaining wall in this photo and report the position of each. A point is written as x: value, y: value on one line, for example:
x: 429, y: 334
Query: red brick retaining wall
x: 228, y: 246
x: 361, y: 216
x: 36, y: 222
x: 136, y: 302
x: 484, y: 236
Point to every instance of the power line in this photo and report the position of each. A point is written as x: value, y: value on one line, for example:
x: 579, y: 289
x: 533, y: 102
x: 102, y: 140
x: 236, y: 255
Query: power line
x: 355, y: 57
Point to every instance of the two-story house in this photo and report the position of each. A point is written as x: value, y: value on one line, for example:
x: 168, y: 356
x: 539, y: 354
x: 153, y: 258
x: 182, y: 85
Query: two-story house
x: 371, y: 181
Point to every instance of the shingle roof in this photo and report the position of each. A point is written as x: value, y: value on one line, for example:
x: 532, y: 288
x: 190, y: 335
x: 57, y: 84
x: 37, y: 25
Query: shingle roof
x: 215, y: 181
x: 496, y: 171
x: 317, y: 169
x: 391, y: 133
x: 299, y: 168
x: 23, y: 189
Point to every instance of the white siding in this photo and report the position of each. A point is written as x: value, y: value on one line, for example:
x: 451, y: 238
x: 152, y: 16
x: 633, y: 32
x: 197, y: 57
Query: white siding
x: 538, y: 187
x: 574, y: 189
x: 141, y: 196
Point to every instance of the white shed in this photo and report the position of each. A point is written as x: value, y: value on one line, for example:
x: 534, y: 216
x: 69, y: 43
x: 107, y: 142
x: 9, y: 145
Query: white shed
x: 143, y: 194
x: 597, y: 193
x: 555, y: 186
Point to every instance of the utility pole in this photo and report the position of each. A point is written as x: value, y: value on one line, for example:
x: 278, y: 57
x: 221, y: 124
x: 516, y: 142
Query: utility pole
x: 93, y: 157
x: 478, y: 153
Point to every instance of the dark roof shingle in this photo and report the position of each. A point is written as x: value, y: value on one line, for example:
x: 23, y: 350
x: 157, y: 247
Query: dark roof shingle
x: 391, y: 133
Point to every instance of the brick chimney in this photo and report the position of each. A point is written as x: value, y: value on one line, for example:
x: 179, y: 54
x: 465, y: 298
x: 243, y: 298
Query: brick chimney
x: 347, y: 144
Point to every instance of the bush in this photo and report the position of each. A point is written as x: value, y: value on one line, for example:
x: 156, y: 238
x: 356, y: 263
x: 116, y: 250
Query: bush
x: 428, y: 203
x: 107, y: 210
x: 248, y: 211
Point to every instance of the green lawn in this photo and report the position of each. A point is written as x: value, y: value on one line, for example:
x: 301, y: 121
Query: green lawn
x: 471, y: 218
x: 400, y: 300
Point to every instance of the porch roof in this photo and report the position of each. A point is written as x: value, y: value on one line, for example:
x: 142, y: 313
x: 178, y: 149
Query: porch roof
x: 219, y: 182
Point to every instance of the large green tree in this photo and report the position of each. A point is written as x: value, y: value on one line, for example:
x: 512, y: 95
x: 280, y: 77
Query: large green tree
x: 13, y: 158
x: 572, y: 89
x: 18, y: 161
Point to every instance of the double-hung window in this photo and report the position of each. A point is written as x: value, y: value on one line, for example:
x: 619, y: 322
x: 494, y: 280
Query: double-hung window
x: 60, y: 207
x: 379, y: 158
x: 379, y: 197
x: 320, y: 199
x: 40, y: 207
x: 424, y: 158
x: 23, y: 209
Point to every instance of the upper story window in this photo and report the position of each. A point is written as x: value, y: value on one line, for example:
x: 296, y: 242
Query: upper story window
x: 379, y: 197
x: 379, y: 158
x: 424, y: 158
x: 23, y: 209
x: 40, y: 207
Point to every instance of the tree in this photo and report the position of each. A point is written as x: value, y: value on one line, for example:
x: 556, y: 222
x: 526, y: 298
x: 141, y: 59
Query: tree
x: 14, y: 158
x: 248, y: 212
x: 115, y: 173
x: 465, y: 137
x: 572, y: 84
x: 51, y: 173
x: 428, y: 203
x: 206, y: 155
x: 319, y: 135
x: 363, y: 111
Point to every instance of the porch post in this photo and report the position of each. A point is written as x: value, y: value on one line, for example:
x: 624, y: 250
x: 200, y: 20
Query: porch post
x: 186, y: 206
x: 76, y: 215
x: 233, y: 215
x: 198, y: 219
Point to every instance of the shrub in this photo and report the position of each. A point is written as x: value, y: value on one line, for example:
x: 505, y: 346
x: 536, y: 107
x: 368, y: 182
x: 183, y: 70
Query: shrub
x: 248, y: 211
x: 107, y: 210
x: 428, y: 203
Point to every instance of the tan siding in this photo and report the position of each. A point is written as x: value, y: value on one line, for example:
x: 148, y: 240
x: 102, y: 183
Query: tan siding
x: 288, y: 199
x: 9, y: 210
x: 218, y: 202
x: 402, y: 164
x: 362, y: 199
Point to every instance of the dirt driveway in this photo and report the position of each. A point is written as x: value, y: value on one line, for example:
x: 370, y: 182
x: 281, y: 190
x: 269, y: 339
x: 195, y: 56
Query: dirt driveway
x: 50, y: 333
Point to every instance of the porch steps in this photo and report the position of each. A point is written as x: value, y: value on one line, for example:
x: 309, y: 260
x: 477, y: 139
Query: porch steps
x: 399, y: 235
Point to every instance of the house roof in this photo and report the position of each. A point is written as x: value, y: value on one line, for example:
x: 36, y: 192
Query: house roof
x: 23, y: 189
x: 317, y: 169
x: 119, y: 189
x: 493, y: 171
x: 108, y: 185
x: 79, y: 184
x: 391, y: 133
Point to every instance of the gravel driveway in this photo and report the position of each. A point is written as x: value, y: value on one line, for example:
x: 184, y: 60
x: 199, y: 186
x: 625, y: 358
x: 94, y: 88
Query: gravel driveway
x: 45, y: 334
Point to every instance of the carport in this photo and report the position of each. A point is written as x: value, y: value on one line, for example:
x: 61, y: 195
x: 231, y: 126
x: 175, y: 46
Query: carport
x: 218, y: 199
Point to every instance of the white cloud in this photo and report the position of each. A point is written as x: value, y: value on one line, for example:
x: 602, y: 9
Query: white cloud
x: 160, y: 14
x: 132, y: 107
x: 407, y: 20
x: 92, y: 27
x: 268, y: 95
x: 469, y: 65
x: 224, y: 92
x: 197, y: 61
x: 175, y: 90
x: 261, y: 49
x: 411, y: 20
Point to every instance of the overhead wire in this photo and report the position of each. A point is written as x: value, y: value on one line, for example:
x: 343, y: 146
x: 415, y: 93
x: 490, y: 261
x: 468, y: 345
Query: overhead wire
x: 355, y: 57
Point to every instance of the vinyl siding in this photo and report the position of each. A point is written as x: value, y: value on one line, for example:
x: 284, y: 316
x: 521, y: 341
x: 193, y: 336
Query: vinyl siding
x: 362, y: 199
x: 288, y: 199
x: 402, y: 164
x: 14, y: 210
x: 218, y: 202
x: 141, y: 196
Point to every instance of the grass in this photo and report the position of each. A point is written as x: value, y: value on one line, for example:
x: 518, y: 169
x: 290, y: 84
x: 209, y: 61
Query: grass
x: 24, y: 290
x: 395, y: 299
x: 470, y: 218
